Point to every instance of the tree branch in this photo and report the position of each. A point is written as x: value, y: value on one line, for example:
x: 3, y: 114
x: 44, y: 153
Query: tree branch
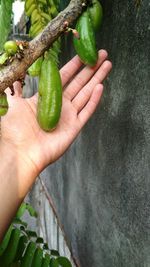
x: 17, y: 69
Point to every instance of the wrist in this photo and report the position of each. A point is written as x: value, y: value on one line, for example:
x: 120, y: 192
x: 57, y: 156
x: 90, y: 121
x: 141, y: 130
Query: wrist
x: 18, y: 168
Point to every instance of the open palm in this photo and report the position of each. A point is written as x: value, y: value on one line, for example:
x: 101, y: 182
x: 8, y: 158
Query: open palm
x: 82, y: 92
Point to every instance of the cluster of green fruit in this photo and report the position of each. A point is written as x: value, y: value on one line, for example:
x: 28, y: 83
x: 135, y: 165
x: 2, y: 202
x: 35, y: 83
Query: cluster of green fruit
x: 23, y: 248
x: 40, y: 13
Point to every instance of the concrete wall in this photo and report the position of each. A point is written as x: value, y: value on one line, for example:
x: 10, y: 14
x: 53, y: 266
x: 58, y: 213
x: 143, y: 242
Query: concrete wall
x: 101, y: 186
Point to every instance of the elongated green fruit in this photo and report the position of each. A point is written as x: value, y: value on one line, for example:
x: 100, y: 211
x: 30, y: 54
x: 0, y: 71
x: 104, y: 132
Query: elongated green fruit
x: 11, y: 250
x: 46, y: 261
x: 35, y: 68
x: 26, y: 261
x: 37, y: 259
x: 6, y: 239
x: 86, y: 46
x: 3, y: 104
x: 96, y: 14
x: 50, y: 95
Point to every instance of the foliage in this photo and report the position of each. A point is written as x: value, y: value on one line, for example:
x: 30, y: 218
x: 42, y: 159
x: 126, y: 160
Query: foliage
x: 40, y: 13
x: 22, y: 247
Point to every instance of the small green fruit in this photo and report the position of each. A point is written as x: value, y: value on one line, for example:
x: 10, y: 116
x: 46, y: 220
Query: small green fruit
x: 11, y: 47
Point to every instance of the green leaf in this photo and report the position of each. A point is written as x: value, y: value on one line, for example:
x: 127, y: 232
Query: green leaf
x: 6, y: 239
x: 31, y: 210
x: 46, y: 261
x: 19, y: 221
x: 54, y: 263
x: 63, y: 262
x: 31, y: 233
x: 21, y: 247
x: 21, y: 210
x: 39, y: 240
x: 45, y: 246
x: 54, y: 252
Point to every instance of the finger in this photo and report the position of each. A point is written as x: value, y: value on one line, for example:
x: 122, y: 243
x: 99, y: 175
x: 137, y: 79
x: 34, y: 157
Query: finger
x: 16, y: 90
x: 70, y: 69
x: 83, y: 77
x: 91, y: 105
x: 84, y: 95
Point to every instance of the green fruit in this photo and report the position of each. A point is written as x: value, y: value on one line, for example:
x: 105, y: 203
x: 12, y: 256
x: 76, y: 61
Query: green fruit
x: 11, y: 47
x: 85, y: 46
x: 96, y: 14
x: 3, y: 104
x: 50, y: 95
x: 35, y: 68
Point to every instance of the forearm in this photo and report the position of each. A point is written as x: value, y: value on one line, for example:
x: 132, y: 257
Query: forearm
x: 16, y: 179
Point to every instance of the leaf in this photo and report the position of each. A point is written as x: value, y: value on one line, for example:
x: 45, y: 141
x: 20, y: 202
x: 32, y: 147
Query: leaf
x: 54, y: 252
x: 39, y: 240
x: 5, y: 21
x: 45, y: 246
x: 31, y: 233
x: 54, y: 263
x: 21, y: 210
x: 31, y: 210
x: 63, y: 262
x: 5, y: 241
x: 19, y: 221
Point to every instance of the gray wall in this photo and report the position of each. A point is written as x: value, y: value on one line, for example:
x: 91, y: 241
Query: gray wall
x: 101, y: 186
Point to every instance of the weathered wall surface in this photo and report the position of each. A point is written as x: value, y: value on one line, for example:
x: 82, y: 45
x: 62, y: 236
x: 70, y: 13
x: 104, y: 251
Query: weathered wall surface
x: 101, y: 186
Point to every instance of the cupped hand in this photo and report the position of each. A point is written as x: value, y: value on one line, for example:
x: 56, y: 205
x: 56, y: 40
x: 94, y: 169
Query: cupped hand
x: 82, y: 92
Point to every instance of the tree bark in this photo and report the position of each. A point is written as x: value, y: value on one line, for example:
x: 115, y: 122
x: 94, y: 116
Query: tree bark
x: 17, y: 69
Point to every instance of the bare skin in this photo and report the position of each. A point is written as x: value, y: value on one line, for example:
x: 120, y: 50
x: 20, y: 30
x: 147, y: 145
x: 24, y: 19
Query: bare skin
x: 26, y: 150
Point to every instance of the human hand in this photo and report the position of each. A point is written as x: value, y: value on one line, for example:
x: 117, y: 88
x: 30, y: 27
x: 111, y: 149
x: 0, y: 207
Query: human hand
x: 82, y: 93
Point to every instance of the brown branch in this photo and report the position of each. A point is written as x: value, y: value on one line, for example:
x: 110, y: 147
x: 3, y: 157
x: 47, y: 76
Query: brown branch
x: 17, y: 69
